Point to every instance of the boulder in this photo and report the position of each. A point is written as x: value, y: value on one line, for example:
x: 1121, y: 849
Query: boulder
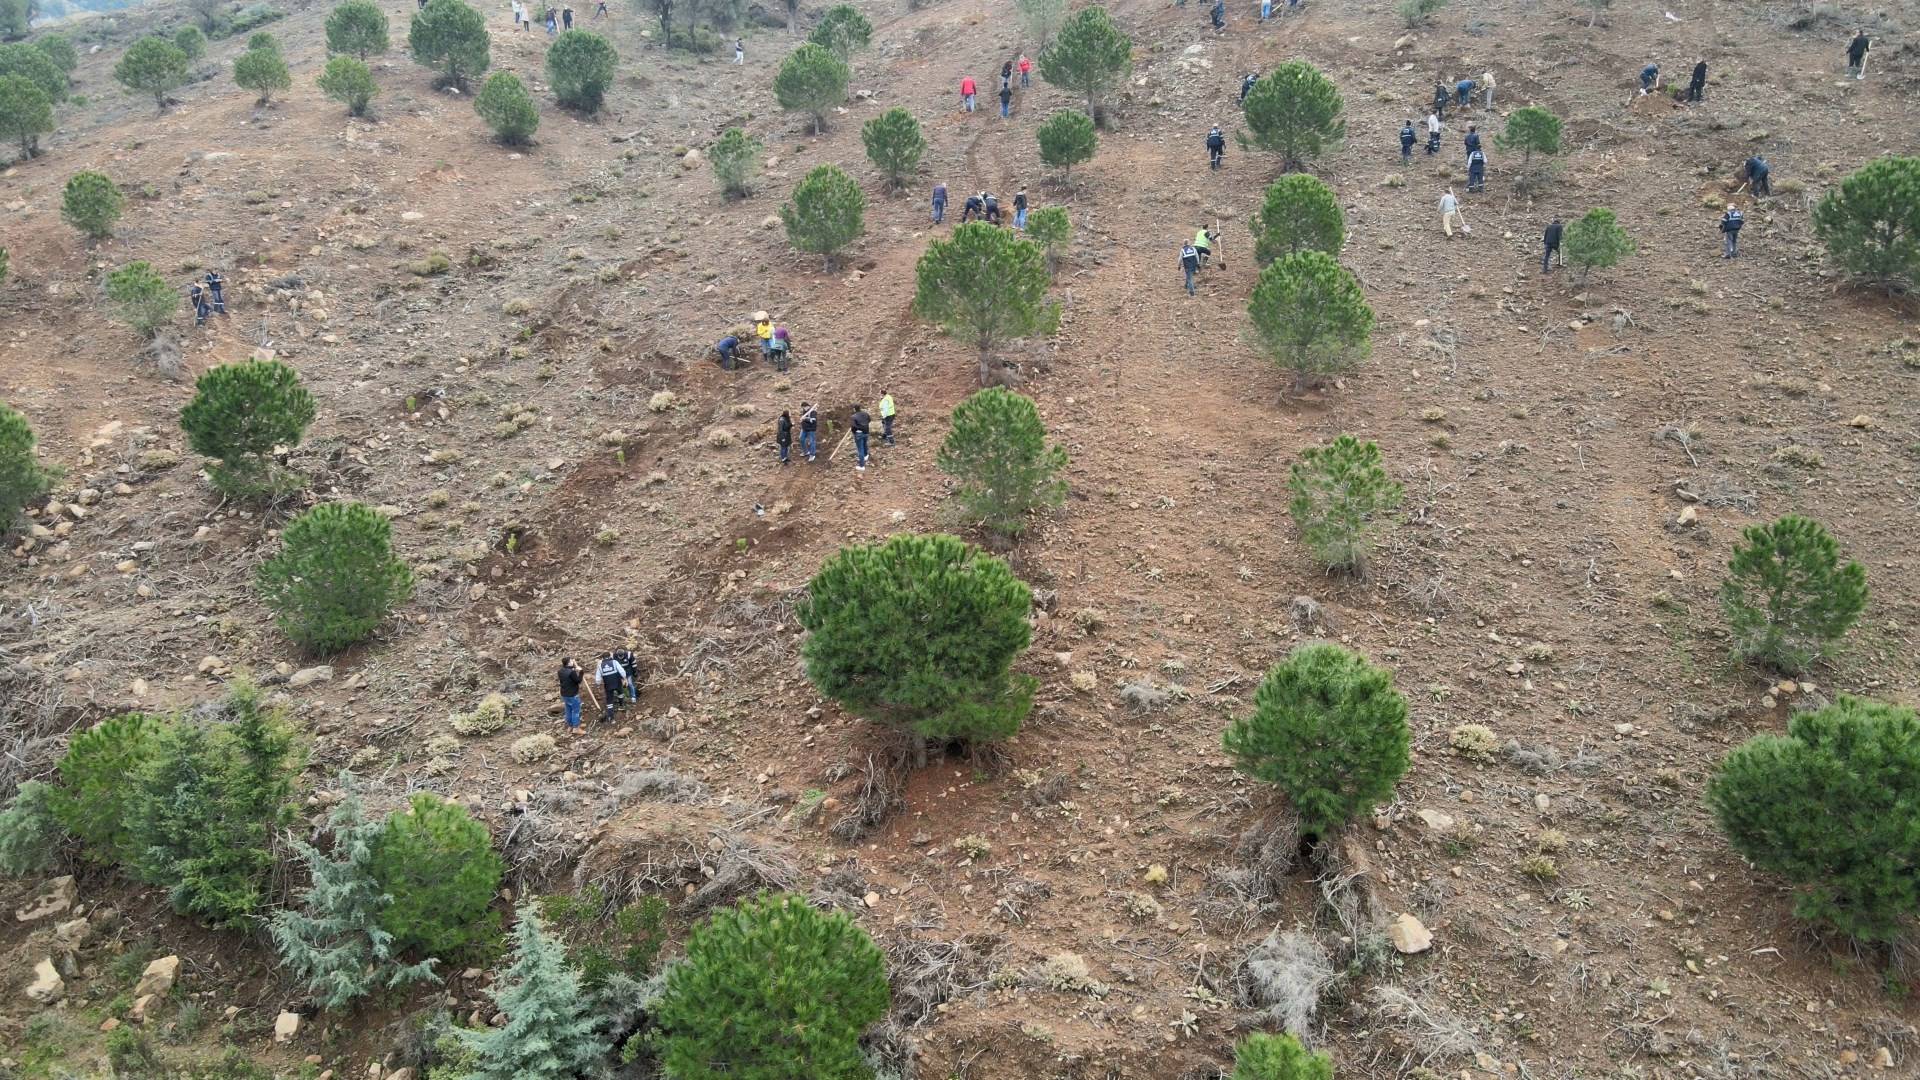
x: 286, y: 1026
x: 159, y: 976
x: 47, y: 986
x: 1408, y: 935
x: 309, y: 676
x: 74, y: 934
x: 55, y: 897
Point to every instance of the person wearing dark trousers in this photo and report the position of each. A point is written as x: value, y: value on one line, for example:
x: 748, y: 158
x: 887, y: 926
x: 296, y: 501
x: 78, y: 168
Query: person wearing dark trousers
x: 1219, y: 14
x: 729, y: 349
x: 214, y: 284
x: 1216, y: 146
x: 939, y: 201
x: 1440, y: 99
x: 197, y: 297
x: 1020, y: 209
x: 566, y: 18
x: 1472, y: 141
x: 1757, y: 170
x: 1463, y: 92
x: 992, y: 205
x: 1857, y: 55
x: 974, y: 207
x: 570, y: 679
x: 809, y: 429
x: 1006, y: 99
x: 1730, y: 223
x: 1189, y: 264
x: 1246, y: 85
x: 1477, y: 171
x: 1407, y: 139
x: 886, y: 417
x: 613, y: 681
x: 1433, y: 132
x: 858, y: 424
x: 783, y: 435
x: 1697, y: 86
x: 1551, y: 244
x: 631, y: 663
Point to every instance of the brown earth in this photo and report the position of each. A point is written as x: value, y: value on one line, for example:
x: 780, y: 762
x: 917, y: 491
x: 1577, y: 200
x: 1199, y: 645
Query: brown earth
x: 1539, y: 581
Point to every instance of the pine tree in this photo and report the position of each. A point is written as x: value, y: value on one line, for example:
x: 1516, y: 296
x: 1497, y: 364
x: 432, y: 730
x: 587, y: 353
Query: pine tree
x: 333, y: 942
x: 451, y: 36
x: 1870, y: 222
x: 239, y: 413
x: 89, y: 202
x: 1830, y: 807
x: 1596, y: 241
x: 1310, y: 316
x: 154, y: 66
x: 1066, y: 139
x: 335, y: 577
x: 773, y: 989
x: 1329, y: 729
x: 1416, y: 12
x: 22, y: 478
x: 59, y: 50
x: 1294, y: 111
x: 1338, y: 490
x: 1531, y: 130
x: 439, y: 868
x: 843, y: 30
x: 996, y: 450
x: 349, y: 82
x: 503, y: 102
x: 1090, y: 56
x: 1260, y: 1056
x: 580, y: 67
x: 734, y: 157
x: 827, y: 212
x: 1786, y: 596
x: 38, y: 66
x: 1041, y: 18
x: 357, y: 28
x: 142, y: 298
x: 809, y: 80
x: 988, y: 284
x: 262, y: 70
x: 1297, y: 213
x: 95, y: 789
x: 894, y: 145
x: 919, y: 632
x: 191, y: 42
x: 549, y: 1034
x: 1050, y: 227
x: 30, y: 832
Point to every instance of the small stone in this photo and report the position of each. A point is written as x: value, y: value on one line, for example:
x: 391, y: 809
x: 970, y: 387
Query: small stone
x: 1863, y: 421
x: 286, y: 1026
x: 47, y: 986
x: 231, y: 1012
x: 109, y: 1023
x: 1665, y: 915
x: 1466, y: 796
x: 1408, y: 935
x: 159, y: 976
x: 1688, y: 515
x: 73, y: 934
x: 873, y: 899
x: 1543, y: 803
x: 1883, y: 1058
x: 1436, y: 820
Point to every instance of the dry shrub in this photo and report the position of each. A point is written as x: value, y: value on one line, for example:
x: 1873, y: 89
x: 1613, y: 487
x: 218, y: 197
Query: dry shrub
x: 1283, y: 977
x: 926, y: 973
x: 879, y: 796
x: 492, y: 714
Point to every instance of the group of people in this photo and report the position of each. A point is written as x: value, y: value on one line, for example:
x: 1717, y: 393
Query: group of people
x: 1022, y: 67
x: 1218, y: 13
x: 618, y: 673
x: 772, y: 340
x: 206, y: 298
x: 981, y: 206
x: 1196, y: 253
x: 557, y: 19
x: 859, y: 425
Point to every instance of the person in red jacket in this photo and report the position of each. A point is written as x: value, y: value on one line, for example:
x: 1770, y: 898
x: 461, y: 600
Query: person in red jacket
x: 966, y: 93
x: 1026, y: 70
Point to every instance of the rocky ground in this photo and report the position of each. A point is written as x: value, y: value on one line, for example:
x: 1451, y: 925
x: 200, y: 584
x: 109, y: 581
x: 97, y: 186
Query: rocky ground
x: 568, y: 472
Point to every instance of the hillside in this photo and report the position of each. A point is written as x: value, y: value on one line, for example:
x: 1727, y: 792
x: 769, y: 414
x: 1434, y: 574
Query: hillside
x: 1552, y: 573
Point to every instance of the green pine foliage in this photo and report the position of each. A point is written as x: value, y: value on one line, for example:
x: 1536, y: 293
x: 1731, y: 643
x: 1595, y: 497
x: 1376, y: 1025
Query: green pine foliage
x: 773, y: 989
x: 335, y: 577
x: 239, y: 413
x: 1786, y: 596
x: 826, y: 214
x: 985, y: 284
x: 1296, y: 112
x: 580, y: 67
x: 261, y: 68
x: 919, y: 632
x: 507, y: 108
x: 89, y: 202
x: 1596, y: 241
x: 1297, y: 213
x: 332, y: 942
x: 734, y: 157
x: 142, y: 298
x: 1310, y: 316
x: 30, y: 832
x: 190, y: 41
x: 1066, y: 138
x: 810, y: 80
x: 1337, y: 492
x: 843, y: 31
x: 1090, y: 56
x: 16, y: 16
x: 152, y: 65
x: 1041, y: 19
x: 549, y: 1033
x: 1260, y: 1056
x: 439, y: 867
x: 1414, y: 12
x: 349, y: 82
x: 59, y: 50
x: 209, y: 805
x: 894, y: 145
x: 22, y: 478
x: 1531, y: 130
x: 1327, y: 728
x: 1051, y: 228
x: 357, y: 28
x: 1831, y: 807
x: 96, y: 784
x: 1870, y: 222
x: 603, y: 942
x: 996, y: 450
x: 36, y: 66
x: 450, y: 36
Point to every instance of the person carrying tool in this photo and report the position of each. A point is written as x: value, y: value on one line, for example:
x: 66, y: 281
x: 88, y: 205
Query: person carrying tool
x: 1550, y: 241
x: 1450, y: 214
x: 729, y: 349
x: 809, y: 427
x: 1648, y: 76
x: 1756, y: 170
x: 1857, y: 54
x: 1203, y: 243
x: 763, y: 332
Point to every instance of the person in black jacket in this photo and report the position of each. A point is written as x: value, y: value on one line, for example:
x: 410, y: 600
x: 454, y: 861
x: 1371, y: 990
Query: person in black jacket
x: 1441, y: 96
x: 1189, y: 264
x: 992, y: 205
x: 1216, y: 146
x: 613, y: 681
x: 1407, y: 139
x: 1756, y: 173
x: 809, y: 422
x: 1246, y: 85
x: 1697, y: 86
x: 1472, y: 141
x: 1857, y: 55
x: 625, y: 658
x: 570, y: 676
x: 783, y: 435
x: 1551, y: 244
x: 974, y: 207
x: 858, y: 424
